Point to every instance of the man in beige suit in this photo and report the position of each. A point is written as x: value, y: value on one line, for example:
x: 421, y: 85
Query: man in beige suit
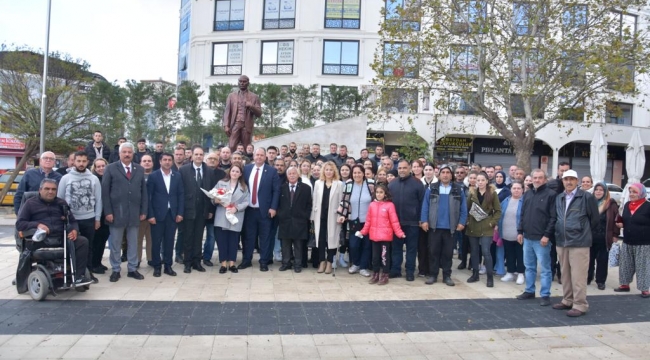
x: 239, y: 117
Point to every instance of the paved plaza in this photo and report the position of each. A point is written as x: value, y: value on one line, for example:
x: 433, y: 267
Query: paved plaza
x: 274, y: 314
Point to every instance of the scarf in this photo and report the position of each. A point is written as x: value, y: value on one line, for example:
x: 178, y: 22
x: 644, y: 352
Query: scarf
x: 503, y: 184
x: 634, y: 205
x: 603, y: 203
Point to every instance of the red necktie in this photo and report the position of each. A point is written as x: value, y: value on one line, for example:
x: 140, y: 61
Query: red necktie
x: 128, y: 172
x: 257, y: 173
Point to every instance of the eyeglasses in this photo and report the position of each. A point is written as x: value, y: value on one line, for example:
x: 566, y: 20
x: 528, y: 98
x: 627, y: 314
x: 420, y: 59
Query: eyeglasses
x: 48, y: 158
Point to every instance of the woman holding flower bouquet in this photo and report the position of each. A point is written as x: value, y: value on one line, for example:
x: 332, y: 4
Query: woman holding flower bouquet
x: 229, y: 216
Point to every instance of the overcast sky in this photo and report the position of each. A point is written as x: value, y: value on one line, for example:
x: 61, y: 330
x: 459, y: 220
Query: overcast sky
x: 120, y: 39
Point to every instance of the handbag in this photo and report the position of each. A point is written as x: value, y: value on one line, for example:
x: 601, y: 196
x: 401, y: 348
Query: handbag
x: 477, y: 212
x: 497, y: 239
x: 614, y: 255
x: 311, y: 242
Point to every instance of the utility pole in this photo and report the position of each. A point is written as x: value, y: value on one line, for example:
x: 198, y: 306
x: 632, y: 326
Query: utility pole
x: 45, y: 58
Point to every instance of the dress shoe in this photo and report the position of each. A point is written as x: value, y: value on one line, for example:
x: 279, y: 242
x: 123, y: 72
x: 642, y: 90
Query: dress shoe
x: 574, y: 313
x: 99, y: 270
x: 244, y: 265
x: 297, y: 269
x: 284, y: 267
x: 135, y: 275
x: 462, y: 265
x: 525, y: 296
x: 104, y: 267
x: 223, y: 270
x: 94, y: 279
x: 156, y: 272
x: 169, y: 271
x: 114, y: 276
x: 622, y: 288
x: 545, y: 301
x: 601, y: 286
x: 374, y: 279
x: 394, y: 275
x: 431, y: 280
x: 207, y: 263
x: 448, y: 281
x: 187, y: 269
x: 561, y: 306
x: 198, y: 268
x: 233, y: 269
x: 150, y: 263
x: 264, y: 268
x: 410, y: 277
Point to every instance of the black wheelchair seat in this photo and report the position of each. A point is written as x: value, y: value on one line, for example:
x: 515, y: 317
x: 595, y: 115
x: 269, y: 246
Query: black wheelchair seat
x: 48, y: 254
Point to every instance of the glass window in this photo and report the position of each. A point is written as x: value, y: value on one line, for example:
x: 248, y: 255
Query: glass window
x: 529, y: 18
x: 227, y: 58
x: 279, y: 14
x: 229, y: 15
x: 619, y: 113
x: 531, y: 59
x: 399, y: 60
x: 464, y: 61
x: 344, y: 14
x: 277, y: 57
x: 574, y: 16
x: 340, y: 57
x: 400, y: 100
x: 517, y: 106
x: 461, y: 104
x: 469, y: 16
x: 401, y: 11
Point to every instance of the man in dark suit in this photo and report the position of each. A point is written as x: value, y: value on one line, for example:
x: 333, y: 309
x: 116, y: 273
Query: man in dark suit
x: 293, y: 215
x: 125, y: 201
x: 198, y: 207
x: 264, y: 185
x: 166, y: 208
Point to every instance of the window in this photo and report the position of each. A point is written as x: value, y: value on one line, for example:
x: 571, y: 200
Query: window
x: 464, y: 62
x: 461, y: 104
x: 517, y: 106
x: 573, y: 72
x: 532, y: 59
x: 572, y: 113
x: 229, y: 15
x: 399, y: 60
x: 624, y: 24
x: 404, y: 11
x: 227, y: 58
x: 340, y: 57
x: 574, y: 17
x: 277, y: 57
x: 529, y: 18
x: 279, y: 14
x: 400, y: 100
x: 619, y: 113
x: 625, y: 27
x: 469, y: 16
x: 345, y: 14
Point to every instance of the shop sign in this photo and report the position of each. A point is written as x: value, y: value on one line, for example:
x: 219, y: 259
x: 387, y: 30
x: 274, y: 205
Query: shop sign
x: 11, y: 143
x: 491, y: 146
x: 454, y: 145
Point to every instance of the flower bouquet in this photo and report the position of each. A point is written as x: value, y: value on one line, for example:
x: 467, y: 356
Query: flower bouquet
x: 222, y: 195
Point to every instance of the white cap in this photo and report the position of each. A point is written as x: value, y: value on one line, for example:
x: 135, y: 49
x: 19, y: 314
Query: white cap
x: 570, y: 173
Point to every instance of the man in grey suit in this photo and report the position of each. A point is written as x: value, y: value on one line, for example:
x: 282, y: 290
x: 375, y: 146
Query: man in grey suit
x: 124, y: 196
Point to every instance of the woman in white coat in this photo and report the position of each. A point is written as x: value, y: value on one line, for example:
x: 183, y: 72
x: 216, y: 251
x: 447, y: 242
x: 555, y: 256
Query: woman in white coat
x: 328, y: 193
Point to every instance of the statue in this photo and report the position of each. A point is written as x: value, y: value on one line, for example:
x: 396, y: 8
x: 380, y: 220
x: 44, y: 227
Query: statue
x: 239, y: 117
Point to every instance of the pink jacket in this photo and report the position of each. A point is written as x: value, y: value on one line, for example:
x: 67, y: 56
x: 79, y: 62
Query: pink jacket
x: 382, y: 222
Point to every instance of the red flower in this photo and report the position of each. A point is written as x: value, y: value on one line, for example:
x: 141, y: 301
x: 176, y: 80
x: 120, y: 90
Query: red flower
x: 221, y: 191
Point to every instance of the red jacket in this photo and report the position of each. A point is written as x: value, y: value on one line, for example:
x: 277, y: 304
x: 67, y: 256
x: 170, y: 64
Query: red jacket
x: 382, y: 222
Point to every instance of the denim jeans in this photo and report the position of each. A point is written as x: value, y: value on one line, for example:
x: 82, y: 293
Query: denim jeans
x: 534, y: 252
x: 360, y: 251
x: 208, y: 246
x: 397, y: 252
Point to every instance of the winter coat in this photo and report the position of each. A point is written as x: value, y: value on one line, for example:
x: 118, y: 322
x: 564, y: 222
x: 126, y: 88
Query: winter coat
x: 382, y: 222
x: 486, y: 226
x: 333, y: 227
x: 573, y: 224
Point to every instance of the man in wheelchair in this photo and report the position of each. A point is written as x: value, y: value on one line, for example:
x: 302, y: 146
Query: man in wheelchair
x: 51, y: 214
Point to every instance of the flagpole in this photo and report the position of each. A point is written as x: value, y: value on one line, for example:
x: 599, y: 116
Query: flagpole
x: 45, y: 60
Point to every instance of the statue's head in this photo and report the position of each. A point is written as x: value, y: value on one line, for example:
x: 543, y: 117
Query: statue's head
x: 243, y: 82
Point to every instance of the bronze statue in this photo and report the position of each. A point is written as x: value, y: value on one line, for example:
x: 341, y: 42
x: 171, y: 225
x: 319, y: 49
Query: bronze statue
x: 239, y: 117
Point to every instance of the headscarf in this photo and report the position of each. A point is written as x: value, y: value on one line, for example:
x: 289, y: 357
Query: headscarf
x: 503, y: 184
x: 634, y: 205
x: 603, y: 203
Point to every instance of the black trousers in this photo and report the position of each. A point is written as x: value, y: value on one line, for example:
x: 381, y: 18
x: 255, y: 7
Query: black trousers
x: 465, y: 249
x: 87, y: 230
x: 381, y: 256
x: 80, y: 258
x: 555, y: 265
x: 323, y: 252
x: 293, y: 247
x: 441, y: 252
x: 101, y: 236
x: 481, y: 245
x: 598, y: 259
x: 192, y: 237
x: 514, y: 253
x: 423, y: 253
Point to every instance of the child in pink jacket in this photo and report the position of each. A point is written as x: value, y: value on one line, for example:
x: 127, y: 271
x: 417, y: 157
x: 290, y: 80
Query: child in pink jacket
x: 381, y: 223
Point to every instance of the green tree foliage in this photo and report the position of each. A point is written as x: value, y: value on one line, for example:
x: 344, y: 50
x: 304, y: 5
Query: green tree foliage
x: 304, y: 105
x: 189, y: 103
x: 341, y: 102
x: 138, y: 107
x: 68, y: 114
x: 108, y: 102
x: 275, y: 105
x: 520, y: 66
x: 165, y: 120
x: 217, y: 98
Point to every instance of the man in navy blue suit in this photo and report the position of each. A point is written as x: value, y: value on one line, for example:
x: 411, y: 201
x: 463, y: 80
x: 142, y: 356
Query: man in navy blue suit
x: 264, y: 185
x: 166, y: 207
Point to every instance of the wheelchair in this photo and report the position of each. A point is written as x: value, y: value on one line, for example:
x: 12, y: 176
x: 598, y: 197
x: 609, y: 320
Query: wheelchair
x: 47, y: 269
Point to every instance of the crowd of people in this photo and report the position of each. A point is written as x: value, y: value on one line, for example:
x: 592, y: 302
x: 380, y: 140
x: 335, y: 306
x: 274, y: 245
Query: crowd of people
x: 381, y: 216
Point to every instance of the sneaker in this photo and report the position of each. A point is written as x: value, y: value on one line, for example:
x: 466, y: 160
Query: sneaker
x: 82, y: 281
x: 482, y: 270
x: 521, y: 279
x: 277, y: 256
x: 342, y: 261
x: 545, y: 301
x: 346, y: 257
x: 525, y: 296
x: 364, y: 273
x: 353, y: 269
x: 508, y: 277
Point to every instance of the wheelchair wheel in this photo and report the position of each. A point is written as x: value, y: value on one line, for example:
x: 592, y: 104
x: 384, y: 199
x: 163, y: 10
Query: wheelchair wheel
x: 38, y: 285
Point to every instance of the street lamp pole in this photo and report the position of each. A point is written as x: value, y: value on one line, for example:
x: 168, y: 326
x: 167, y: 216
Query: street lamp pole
x: 45, y: 58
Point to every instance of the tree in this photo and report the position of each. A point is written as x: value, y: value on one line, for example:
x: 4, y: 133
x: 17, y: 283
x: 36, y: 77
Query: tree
x: 217, y: 97
x: 304, y: 104
x: 275, y: 105
x: 68, y: 114
x: 138, y: 107
x: 520, y: 66
x: 189, y: 103
x: 108, y: 102
x: 341, y: 102
x: 165, y: 120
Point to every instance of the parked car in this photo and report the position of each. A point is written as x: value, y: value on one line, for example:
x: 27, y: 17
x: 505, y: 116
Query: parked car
x: 615, y: 192
x: 9, y: 198
x: 646, y: 183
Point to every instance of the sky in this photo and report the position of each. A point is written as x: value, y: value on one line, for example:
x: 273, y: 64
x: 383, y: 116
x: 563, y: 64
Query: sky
x: 120, y: 39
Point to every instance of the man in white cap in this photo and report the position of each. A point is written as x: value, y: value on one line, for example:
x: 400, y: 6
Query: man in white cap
x: 574, y: 216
